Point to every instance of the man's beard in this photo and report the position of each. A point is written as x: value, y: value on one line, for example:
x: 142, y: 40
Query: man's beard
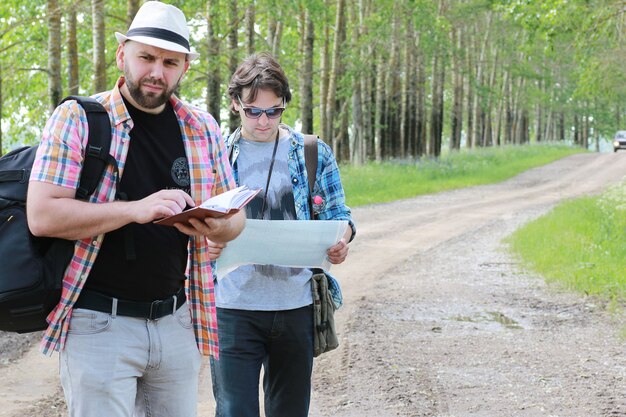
x: 149, y: 100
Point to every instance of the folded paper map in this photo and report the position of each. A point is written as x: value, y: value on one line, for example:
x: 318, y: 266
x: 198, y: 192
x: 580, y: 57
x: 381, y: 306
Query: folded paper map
x: 295, y: 243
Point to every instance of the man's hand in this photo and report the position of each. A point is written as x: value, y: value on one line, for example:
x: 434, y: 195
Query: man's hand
x: 220, y: 229
x: 215, y: 249
x: 161, y: 204
x: 338, y: 252
x: 48, y: 206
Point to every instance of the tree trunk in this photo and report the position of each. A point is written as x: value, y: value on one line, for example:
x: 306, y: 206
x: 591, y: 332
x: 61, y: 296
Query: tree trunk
x: 538, y: 122
x: 436, y: 127
x: 378, y: 109
x: 518, y: 128
x: 277, y: 38
x: 479, y: 105
x: 408, y: 94
x: 469, y: 141
x: 55, y: 90
x: 390, y: 143
x: 324, y: 73
x: 306, y: 77
x: 333, y: 78
x: 404, y: 92
x: 586, y: 128
x: 99, y: 56
x: 548, y: 127
x: 213, y: 46
x: 250, y: 33
x: 356, y: 138
x: 233, y: 56
x: 72, y: 53
x: 439, y: 74
x: 421, y: 123
x: 500, y: 115
x: 491, y: 99
x: 457, y: 106
x: 275, y: 31
x: 132, y: 6
x: 366, y: 80
x: 508, y: 124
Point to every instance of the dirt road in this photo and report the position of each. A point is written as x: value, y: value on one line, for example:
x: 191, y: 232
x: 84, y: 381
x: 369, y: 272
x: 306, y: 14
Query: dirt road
x: 439, y: 320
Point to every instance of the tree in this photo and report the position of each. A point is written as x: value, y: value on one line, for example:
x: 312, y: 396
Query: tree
x: 213, y: 53
x: 132, y: 6
x: 391, y: 78
x: 306, y: 77
x: 72, y: 53
x: 55, y: 90
x: 233, y: 52
x: 99, y: 52
x: 333, y: 78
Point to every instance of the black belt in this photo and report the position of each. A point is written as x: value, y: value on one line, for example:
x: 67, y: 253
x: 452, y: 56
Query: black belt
x: 152, y: 310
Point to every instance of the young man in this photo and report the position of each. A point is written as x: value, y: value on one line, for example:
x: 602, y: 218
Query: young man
x: 264, y: 312
x: 129, y: 335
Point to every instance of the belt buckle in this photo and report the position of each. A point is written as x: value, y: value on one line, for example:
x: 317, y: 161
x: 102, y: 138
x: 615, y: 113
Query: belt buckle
x: 154, y: 309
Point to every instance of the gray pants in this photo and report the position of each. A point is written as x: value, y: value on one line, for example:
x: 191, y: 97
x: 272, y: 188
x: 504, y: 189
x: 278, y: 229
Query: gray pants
x: 114, y: 366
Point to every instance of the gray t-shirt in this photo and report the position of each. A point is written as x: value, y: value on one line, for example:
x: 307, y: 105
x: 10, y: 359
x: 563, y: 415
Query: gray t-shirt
x: 265, y: 287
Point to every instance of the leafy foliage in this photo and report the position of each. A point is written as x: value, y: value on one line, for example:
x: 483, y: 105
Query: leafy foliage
x: 564, y: 57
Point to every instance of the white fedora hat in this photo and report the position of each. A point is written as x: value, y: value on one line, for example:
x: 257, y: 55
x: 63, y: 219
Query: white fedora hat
x: 161, y: 25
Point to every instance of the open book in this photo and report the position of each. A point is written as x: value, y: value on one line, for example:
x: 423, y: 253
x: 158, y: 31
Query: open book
x: 216, y: 206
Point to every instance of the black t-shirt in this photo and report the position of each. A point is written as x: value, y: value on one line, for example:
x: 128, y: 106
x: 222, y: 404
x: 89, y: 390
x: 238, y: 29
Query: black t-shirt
x: 156, y: 160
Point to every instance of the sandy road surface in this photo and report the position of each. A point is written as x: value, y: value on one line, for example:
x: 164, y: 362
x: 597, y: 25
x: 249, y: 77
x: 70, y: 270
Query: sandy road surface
x: 439, y: 320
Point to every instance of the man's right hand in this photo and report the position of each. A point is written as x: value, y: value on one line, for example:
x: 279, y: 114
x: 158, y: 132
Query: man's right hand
x: 161, y: 204
x: 54, y: 212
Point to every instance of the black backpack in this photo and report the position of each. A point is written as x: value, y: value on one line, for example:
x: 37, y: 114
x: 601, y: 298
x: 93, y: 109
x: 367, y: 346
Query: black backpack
x: 32, y: 268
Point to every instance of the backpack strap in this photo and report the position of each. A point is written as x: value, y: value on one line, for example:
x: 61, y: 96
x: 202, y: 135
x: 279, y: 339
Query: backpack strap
x: 310, y: 160
x: 15, y: 175
x: 97, y: 155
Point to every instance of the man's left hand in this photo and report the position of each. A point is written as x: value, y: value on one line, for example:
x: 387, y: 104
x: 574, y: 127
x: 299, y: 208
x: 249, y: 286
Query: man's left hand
x: 338, y: 252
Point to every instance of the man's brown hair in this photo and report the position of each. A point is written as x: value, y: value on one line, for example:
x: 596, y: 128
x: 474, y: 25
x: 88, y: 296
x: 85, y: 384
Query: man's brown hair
x: 259, y: 71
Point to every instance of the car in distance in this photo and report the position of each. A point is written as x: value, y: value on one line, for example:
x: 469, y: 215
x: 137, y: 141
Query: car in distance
x: 619, y: 142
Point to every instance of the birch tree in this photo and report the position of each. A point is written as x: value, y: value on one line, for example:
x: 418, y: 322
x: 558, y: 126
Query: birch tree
x: 99, y: 54
x: 55, y: 90
x: 73, y: 82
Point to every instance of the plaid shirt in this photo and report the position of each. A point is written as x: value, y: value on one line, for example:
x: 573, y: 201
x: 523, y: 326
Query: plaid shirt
x: 59, y: 161
x: 327, y: 186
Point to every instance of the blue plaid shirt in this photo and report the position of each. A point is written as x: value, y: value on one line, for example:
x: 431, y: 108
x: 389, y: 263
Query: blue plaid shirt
x: 327, y: 186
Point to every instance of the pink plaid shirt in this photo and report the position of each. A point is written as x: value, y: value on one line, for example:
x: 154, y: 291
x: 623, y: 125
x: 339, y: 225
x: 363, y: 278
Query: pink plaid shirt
x: 59, y: 161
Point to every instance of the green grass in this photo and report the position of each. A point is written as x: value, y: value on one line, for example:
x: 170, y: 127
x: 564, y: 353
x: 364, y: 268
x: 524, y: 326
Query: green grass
x: 389, y: 181
x: 581, y: 244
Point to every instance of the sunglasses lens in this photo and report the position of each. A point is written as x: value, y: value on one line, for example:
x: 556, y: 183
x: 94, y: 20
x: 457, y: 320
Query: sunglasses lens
x: 253, y: 112
x: 274, y: 113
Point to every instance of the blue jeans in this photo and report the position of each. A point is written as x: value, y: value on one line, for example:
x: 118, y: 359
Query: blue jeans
x: 118, y: 366
x: 279, y: 341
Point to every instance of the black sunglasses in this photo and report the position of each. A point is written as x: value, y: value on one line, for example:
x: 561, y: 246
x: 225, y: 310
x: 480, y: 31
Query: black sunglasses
x: 255, y: 112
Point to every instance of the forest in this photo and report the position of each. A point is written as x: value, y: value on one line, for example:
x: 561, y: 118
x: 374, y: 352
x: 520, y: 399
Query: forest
x: 375, y: 79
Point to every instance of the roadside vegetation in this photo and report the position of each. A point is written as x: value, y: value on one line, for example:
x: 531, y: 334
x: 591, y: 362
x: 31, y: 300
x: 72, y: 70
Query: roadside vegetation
x: 580, y: 244
x: 383, y: 182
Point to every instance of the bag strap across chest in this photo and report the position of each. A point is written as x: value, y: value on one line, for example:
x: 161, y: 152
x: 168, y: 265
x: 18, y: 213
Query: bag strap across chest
x: 310, y: 160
